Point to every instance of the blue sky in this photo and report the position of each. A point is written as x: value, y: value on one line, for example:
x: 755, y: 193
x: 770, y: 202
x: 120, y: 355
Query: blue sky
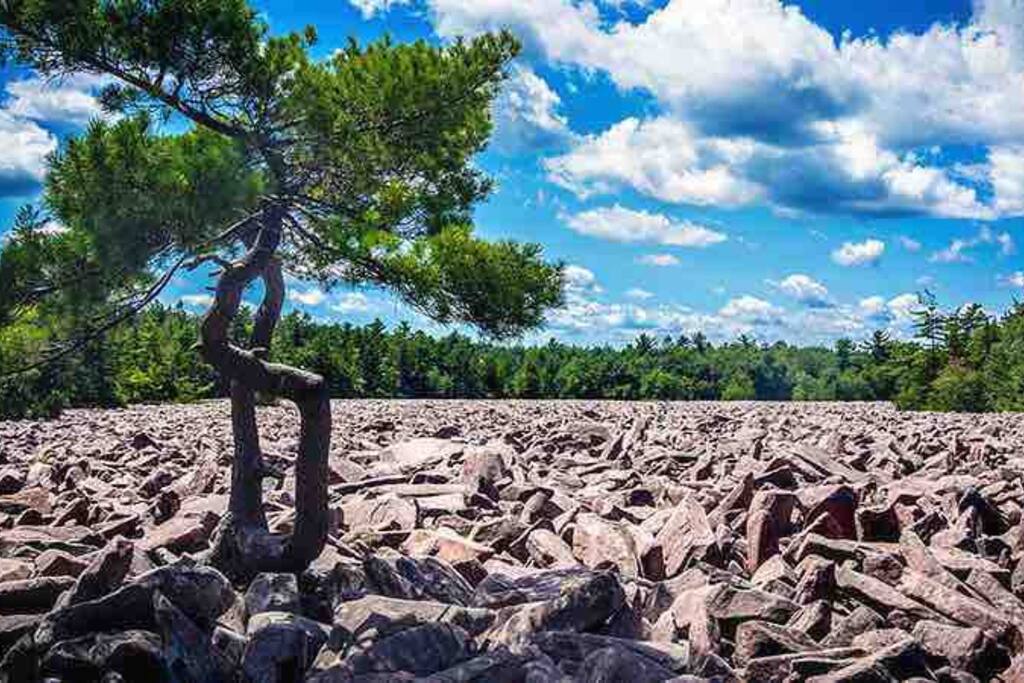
x: 792, y: 172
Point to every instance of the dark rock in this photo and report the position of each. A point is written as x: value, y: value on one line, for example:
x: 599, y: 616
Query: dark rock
x: 584, y: 603
x: 105, y: 573
x: 612, y: 664
x: 375, y: 616
x: 32, y: 595
x: 419, y: 650
x: 272, y: 593
x: 281, y: 646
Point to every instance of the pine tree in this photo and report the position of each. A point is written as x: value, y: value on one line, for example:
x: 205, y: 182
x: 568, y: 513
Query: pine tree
x: 353, y: 169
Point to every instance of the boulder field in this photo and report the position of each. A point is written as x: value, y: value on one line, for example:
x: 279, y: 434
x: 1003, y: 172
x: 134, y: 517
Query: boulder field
x: 524, y: 541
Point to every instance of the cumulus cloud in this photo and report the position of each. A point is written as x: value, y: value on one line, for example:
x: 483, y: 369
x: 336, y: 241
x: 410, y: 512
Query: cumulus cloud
x: 70, y: 100
x: 526, y: 114
x: 639, y: 294
x: 353, y: 302
x: 620, y: 224
x: 592, y: 319
x: 750, y: 309
x: 780, y: 111
x: 804, y: 289
x: 33, y: 105
x: 768, y: 71
x: 872, y: 306
x: 903, y: 306
x: 845, y: 171
x: 371, y: 7
x: 1006, y: 175
x: 662, y: 158
x: 867, y: 252
x: 658, y: 260
x: 579, y: 280
x: 307, y: 297
x: 23, y: 163
x: 896, y: 313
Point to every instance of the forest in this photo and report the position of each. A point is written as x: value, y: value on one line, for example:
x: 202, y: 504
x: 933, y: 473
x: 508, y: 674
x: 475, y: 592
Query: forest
x: 962, y: 360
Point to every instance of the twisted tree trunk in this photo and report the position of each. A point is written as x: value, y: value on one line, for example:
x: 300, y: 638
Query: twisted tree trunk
x: 243, y: 545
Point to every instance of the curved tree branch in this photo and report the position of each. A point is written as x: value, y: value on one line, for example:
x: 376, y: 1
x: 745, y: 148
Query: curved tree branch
x: 243, y: 545
x: 247, y: 469
x: 151, y: 85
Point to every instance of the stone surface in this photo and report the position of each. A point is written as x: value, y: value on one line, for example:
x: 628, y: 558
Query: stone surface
x: 272, y: 593
x: 525, y: 541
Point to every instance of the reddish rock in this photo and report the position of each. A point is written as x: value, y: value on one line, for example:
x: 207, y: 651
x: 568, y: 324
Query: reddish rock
x: 768, y: 520
x: 598, y: 544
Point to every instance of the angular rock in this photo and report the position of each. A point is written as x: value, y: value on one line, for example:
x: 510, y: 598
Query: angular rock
x: 270, y: 592
x: 600, y: 544
x: 281, y: 646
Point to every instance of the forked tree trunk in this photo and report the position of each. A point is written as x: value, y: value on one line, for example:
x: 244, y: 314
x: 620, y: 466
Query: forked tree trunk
x: 243, y: 545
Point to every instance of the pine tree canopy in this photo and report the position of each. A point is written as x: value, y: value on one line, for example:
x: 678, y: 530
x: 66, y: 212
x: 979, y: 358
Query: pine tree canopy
x: 364, y: 159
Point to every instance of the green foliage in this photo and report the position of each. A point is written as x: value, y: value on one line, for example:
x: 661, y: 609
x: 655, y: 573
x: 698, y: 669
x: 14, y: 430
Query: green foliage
x: 362, y: 164
x: 960, y: 389
x: 152, y: 360
x: 135, y: 194
x: 739, y: 387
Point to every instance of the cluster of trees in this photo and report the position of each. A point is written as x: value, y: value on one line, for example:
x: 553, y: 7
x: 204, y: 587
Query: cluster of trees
x: 963, y: 360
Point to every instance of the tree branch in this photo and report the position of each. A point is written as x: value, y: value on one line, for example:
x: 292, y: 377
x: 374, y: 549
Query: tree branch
x: 116, y: 319
x: 173, y: 100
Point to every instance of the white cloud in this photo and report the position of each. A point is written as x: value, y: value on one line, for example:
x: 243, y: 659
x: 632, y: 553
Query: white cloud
x: 1006, y: 174
x: 804, y: 289
x: 958, y: 250
x: 895, y: 313
x: 779, y: 111
x: 69, y: 100
x: 23, y: 162
x: 859, y: 253
x: 752, y: 310
x: 1013, y: 279
x: 594, y: 320
x: 748, y: 50
x: 658, y: 260
x: 526, y: 114
x: 197, y: 300
x: 579, y: 279
x: 910, y: 244
x: 353, y: 302
x: 846, y: 170
x: 766, y: 70
x: 903, y: 306
x: 639, y: 294
x: 307, y: 297
x: 1007, y: 247
x: 872, y: 306
x: 659, y: 157
x: 954, y: 253
x: 626, y: 225
x: 33, y: 104
x: 371, y: 7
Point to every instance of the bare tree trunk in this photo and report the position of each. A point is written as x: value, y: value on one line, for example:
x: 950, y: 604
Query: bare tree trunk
x: 243, y: 546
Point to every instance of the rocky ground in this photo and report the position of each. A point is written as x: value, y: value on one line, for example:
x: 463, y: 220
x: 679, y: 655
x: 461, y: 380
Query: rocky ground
x: 525, y: 541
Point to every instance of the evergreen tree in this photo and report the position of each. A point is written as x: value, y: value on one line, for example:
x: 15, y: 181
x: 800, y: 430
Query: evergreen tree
x: 353, y: 169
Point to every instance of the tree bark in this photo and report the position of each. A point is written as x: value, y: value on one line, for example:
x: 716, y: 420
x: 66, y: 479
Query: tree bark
x: 243, y: 545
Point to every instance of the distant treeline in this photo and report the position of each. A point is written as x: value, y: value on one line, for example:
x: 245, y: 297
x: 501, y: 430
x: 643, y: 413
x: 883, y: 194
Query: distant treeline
x: 963, y: 360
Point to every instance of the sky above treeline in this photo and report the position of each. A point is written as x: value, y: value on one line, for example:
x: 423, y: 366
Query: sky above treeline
x: 787, y: 171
